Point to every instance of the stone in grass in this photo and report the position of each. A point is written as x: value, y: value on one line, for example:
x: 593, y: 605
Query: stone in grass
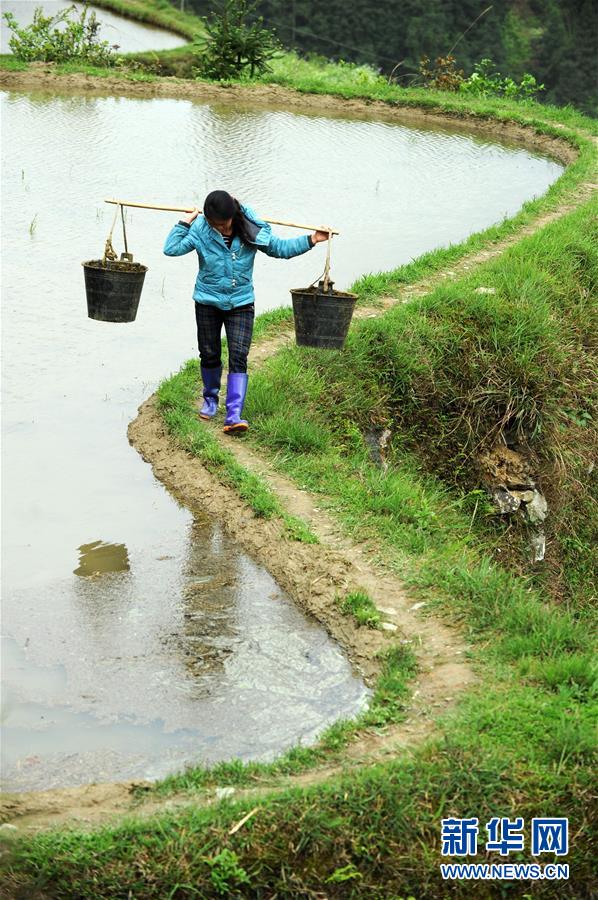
x: 538, y: 545
x: 537, y: 509
x: 223, y: 792
x: 505, y: 501
x: 485, y: 290
x: 524, y: 496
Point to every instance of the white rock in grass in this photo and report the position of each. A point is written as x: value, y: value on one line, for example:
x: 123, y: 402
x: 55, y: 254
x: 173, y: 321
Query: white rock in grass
x: 537, y: 509
x: 538, y: 543
x: 505, y: 501
x: 223, y: 792
x: 485, y: 290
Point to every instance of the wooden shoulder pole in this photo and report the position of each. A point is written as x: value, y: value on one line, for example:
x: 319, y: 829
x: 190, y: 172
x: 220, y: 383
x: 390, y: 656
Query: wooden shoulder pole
x: 188, y: 209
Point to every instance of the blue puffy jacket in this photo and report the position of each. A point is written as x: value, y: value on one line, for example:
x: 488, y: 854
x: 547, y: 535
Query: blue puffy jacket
x: 225, y: 276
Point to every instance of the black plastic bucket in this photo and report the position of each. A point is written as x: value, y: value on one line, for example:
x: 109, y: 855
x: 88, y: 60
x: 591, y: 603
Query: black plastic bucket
x: 322, y: 318
x: 113, y: 289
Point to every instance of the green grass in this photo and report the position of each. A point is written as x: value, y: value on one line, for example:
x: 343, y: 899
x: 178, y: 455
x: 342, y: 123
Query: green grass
x: 177, y: 398
x: 361, y: 606
x: 161, y: 13
x: 521, y: 361
x: 8, y: 62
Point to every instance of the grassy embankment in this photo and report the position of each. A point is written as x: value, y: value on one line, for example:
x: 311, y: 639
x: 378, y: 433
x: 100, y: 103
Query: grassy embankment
x: 521, y: 743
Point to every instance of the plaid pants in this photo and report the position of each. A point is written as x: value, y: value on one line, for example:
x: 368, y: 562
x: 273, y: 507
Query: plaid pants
x: 238, y: 325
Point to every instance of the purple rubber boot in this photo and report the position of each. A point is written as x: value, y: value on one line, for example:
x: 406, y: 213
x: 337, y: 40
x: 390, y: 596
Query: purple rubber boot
x: 211, y: 386
x: 236, y: 388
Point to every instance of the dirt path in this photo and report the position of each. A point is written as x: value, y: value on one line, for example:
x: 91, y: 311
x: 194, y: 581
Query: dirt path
x: 313, y: 574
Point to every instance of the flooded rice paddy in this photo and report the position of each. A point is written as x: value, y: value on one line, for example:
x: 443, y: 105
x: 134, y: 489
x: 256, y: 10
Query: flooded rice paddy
x: 127, y: 35
x: 136, y: 636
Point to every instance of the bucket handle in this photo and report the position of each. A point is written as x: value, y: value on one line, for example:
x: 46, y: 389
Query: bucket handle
x: 326, y: 273
x: 109, y: 251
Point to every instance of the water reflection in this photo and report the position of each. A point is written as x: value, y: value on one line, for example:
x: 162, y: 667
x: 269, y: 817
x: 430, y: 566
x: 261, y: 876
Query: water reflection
x: 190, y: 654
x: 210, y: 598
x: 100, y: 557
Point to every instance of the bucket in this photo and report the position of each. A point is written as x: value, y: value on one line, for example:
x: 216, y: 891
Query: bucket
x: 113, y: 288
x: 322, y: 317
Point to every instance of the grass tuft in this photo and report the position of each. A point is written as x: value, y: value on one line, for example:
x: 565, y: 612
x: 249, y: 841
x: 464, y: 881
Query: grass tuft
x: 361, y: 606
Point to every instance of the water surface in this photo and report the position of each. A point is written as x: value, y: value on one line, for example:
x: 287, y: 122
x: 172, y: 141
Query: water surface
x: 137, y: 636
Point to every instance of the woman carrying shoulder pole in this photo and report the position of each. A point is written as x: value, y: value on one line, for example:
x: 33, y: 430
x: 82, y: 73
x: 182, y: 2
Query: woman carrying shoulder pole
x: 226, y: 240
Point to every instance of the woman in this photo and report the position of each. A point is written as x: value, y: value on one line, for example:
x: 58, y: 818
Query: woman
x: 226, y: 239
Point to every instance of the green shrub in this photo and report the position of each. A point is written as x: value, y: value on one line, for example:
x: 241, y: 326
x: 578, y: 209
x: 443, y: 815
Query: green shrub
x: 485, y: 81
x: 46, y: 41
x: 234, y: 43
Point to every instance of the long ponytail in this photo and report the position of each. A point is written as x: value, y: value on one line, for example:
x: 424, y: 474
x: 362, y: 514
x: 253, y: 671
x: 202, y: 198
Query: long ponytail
x: 241, y: 226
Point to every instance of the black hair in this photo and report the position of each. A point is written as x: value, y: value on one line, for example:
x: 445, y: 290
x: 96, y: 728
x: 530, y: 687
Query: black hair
x: 220, y: 206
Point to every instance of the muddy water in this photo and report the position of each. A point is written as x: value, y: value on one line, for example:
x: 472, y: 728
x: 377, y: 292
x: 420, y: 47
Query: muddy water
x: 179, y: 650
x: 137, y: 636
x: 129, y: 36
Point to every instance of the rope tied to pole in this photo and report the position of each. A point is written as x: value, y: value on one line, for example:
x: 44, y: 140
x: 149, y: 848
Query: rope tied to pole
x: 327, y: 266
x: 109, y: 251
x: 325, y: 276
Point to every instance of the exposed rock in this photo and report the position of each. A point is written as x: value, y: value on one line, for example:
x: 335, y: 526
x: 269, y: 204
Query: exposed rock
x: 524, y: 496
x: 373, y: 444
x: 485, y: 290
x: 377, y: 444
x: 538, y: 545
x: 537, y: 508
x: 510, y: 483
x: 505, y: 501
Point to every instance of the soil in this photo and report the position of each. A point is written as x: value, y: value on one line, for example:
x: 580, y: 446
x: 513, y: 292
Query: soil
x: 115, y: 265
x: 313, y: 574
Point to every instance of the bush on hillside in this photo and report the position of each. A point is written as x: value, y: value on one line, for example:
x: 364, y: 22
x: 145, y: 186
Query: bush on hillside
x: 67, y: 36
x: 442, y: 75
x: 485, y: 81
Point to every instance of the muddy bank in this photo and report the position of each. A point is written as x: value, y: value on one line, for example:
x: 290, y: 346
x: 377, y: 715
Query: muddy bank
x: 313, y: 574
x: 43, y: 76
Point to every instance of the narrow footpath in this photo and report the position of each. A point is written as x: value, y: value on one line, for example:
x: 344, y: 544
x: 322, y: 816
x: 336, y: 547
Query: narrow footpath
x: 313, y: 574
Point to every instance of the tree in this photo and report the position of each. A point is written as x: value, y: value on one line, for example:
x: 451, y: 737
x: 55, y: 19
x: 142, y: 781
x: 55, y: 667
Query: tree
x: 234, y: 42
